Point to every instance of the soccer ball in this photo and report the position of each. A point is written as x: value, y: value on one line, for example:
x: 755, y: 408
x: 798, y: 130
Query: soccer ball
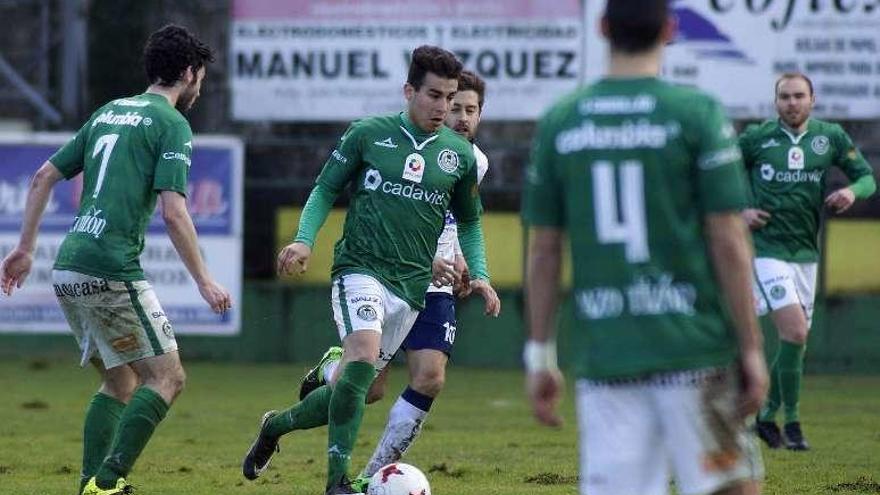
x: 399, y: 479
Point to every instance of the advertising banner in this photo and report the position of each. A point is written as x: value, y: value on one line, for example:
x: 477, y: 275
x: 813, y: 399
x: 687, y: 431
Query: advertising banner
x: 214, y: 200
x: 338, y: 60
x: 736, y: 49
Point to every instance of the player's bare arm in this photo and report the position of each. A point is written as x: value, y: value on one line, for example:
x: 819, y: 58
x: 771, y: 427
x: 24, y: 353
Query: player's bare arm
x: 731, y: 254
x: 17, y: 264
x: 294, y: 258
x: 443, y: 272
x: 756, y: 218
x: 492, y: 306
x: 841, y: 199
x: 544, y: 382
x: 183, y: 235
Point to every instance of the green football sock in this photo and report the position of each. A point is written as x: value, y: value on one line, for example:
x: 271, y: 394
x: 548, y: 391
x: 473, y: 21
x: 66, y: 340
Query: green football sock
x: 774, y: 395
x: 311, y: 412
x: 102, y: 416
x: 791, y: 368
x: 346, y: 411
x: 139, y: 419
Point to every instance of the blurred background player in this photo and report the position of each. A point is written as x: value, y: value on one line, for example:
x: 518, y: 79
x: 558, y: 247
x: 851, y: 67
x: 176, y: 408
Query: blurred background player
x: 787, y: 159
x: 407, y: 169
x: 130, y: 151
x: 645, y: 179
x: 429, y: 343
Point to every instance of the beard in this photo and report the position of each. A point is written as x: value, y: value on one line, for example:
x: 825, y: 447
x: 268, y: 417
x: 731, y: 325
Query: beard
x: 186, y: 99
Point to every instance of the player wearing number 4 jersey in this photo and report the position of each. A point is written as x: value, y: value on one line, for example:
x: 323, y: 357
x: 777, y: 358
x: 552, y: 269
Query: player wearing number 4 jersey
x: 645, y: 179
x: 787, y: 160
x: 129, y: 152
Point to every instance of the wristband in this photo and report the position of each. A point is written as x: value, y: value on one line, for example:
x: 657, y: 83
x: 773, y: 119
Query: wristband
x: 540, y: 356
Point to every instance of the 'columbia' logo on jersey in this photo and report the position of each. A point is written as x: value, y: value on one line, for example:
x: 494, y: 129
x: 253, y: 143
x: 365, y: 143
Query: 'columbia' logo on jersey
x: 385, y: 143
x: 626, y: 136
x: 128, y: 118
x: 373, y: 182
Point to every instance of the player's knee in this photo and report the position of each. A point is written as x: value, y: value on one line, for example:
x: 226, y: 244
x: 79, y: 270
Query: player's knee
x: 375, y: 394
x: 796, y: 334
x: 173, y: 383
x: 429, y: 382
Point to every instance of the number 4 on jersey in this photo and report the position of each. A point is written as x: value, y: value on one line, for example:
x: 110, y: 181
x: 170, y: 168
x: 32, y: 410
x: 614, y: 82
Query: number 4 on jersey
x: 624, y: 223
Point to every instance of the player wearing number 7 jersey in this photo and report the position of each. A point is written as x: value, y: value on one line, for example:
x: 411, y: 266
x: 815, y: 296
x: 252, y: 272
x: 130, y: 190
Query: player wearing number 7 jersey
x: 644, y: 178
x: 129, y: 152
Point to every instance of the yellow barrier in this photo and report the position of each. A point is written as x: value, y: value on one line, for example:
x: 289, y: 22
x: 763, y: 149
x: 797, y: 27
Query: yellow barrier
x: 503, y: 234
x: 851, y: 265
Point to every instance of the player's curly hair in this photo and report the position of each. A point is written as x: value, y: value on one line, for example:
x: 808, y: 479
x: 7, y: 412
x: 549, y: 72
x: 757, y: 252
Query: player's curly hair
x: 170, y: 50
x: 468, y: 81
x: 435, y: 60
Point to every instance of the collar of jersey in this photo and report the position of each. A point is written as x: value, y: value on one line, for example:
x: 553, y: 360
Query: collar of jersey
x: 794, y: 139
x: 156, y: 96
x: 413, y: 132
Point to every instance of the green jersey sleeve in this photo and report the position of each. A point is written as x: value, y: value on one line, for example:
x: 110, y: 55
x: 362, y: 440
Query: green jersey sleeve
x: 465, y: 202
x: 720, y: 171
x: 344, y: 161
x: 70, y: 159
x: 847, y: 157
x: 175, y: 158
x: 747, y: 147
x: 543, y: 195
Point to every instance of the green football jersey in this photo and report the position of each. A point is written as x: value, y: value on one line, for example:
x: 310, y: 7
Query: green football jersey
x: 629, y: 168
x: 787, y: 175
x: 402, y: 182
x: 128, y: 151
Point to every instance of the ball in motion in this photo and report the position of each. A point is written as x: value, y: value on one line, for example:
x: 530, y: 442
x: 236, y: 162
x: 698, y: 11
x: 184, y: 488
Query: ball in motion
x: 399, y: 479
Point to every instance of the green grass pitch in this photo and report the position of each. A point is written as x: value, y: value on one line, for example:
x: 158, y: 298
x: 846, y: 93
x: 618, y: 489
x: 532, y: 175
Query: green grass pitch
x: 479, y: 438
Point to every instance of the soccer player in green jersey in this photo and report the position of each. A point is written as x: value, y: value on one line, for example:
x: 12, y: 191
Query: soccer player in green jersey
x: 430, y: 341
x: 787, y: 159
x: 404, y: 170
x: 130, y: 151
x: 645, y: 180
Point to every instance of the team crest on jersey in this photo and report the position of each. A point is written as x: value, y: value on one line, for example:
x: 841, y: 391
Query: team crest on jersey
x: 795, y: 158
x: 777, y: 292
x: 819, y: 144
x: 414, y: 167
x: 448, y: 161
x: 367, y: 313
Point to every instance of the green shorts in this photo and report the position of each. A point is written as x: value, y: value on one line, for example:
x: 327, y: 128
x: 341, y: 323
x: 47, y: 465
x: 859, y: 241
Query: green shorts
x: 122, y: 321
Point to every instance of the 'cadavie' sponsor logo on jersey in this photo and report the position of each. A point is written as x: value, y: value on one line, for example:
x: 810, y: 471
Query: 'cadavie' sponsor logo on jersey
x: 373, y: 182
x: 769, y: 174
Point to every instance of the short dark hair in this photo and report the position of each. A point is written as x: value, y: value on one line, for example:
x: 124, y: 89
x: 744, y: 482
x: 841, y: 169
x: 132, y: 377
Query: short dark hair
x: 169, y: 51
x: 435, y: 60
x: 634, y: 26
x: 792, y: 75
x: 468, y: 81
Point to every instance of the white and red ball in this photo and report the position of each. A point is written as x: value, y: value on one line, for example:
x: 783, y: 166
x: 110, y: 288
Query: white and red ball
x: 399, y: 479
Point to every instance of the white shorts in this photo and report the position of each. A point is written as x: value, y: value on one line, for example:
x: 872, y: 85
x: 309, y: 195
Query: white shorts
x: 122, y: 321
x: 361, y: 302
x: 634, y: 432
x: 782, y: 283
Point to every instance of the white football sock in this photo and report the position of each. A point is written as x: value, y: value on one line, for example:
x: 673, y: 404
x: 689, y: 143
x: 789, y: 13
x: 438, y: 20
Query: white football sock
x: 404, y: 425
